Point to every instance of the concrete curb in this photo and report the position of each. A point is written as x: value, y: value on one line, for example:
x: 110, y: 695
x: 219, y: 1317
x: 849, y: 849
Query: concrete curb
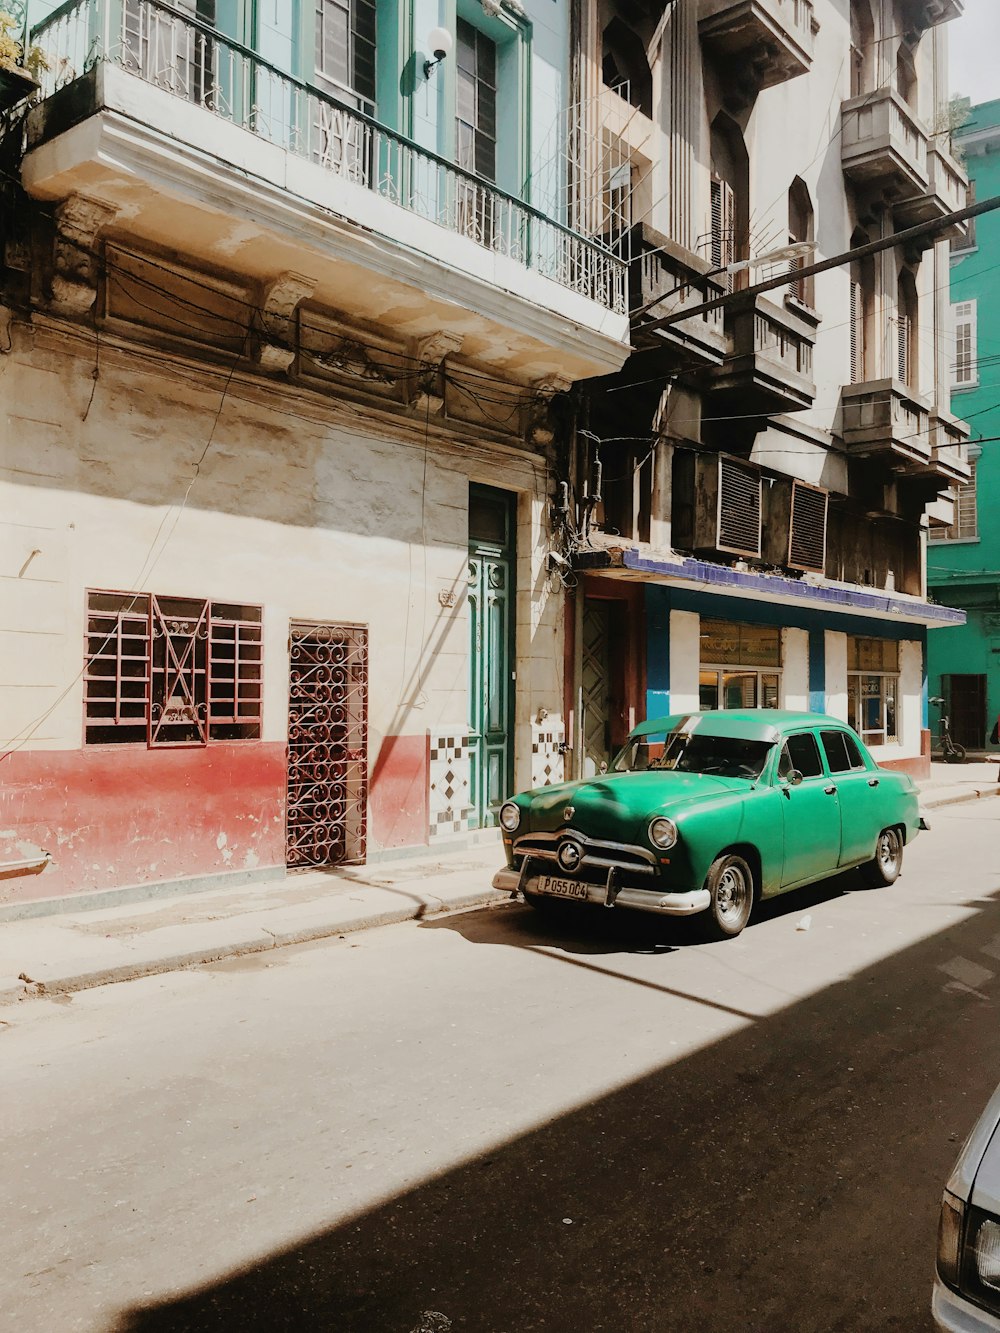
x: 958, y: 798
x: 430, y: 907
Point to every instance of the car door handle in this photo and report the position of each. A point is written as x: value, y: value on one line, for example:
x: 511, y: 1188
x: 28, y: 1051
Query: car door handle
x: 830, y: 791
x: 873, y: 782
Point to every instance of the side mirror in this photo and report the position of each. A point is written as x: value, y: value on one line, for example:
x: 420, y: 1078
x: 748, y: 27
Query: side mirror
x: 794, y: 778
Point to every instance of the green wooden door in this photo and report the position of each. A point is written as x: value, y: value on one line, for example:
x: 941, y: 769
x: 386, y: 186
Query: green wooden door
x: 491, y: 627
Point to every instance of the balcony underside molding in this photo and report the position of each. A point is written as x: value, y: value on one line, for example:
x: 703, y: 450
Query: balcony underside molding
x: 249, y: 207
x: 760, y: 38
x: 632, y: 563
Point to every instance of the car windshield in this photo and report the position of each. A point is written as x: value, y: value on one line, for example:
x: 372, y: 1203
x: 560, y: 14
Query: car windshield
x: 683, y: 752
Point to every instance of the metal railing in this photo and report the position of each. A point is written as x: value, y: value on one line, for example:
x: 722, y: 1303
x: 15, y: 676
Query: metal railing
x: 177, y: 53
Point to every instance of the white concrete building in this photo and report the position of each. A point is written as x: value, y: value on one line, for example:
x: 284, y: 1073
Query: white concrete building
x: 282, y: 334
x: 761, y: 476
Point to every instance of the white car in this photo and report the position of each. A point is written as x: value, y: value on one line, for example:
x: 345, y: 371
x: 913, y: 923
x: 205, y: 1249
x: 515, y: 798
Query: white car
x: 967, y: 1283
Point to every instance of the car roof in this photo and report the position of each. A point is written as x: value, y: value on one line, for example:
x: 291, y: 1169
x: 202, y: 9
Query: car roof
x: 750, y: 724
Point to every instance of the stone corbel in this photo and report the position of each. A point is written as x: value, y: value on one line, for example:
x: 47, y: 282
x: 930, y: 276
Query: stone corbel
x: 427, y: 392
x: 541, y: 428
x: 78, y: 223
x: 276, y: 343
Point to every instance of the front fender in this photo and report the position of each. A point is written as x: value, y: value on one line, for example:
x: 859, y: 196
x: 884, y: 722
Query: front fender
x: 754, y: 820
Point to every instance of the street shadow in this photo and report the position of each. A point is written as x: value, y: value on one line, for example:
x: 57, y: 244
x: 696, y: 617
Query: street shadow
x: 774, y: 1179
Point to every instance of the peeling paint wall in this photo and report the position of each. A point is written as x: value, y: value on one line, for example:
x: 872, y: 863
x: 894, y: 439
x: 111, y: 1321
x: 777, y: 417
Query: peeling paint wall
x: 312, y: 509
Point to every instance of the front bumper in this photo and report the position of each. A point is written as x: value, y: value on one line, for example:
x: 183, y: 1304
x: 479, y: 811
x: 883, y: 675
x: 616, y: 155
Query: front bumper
x: 641, y: 900
x: 954, y: 1314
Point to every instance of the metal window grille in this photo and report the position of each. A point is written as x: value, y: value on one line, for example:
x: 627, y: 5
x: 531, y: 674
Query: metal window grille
x: 165, y: 671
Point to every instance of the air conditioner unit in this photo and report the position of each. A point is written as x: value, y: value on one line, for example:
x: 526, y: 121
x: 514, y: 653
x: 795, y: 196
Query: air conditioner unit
x: 807, y: 529
x: 717, y: 503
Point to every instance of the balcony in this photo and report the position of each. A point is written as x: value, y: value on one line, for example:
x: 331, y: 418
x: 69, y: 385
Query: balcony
x: 665, y: 272
x: 883, y: 145
x: 884, y: 418
x: 948, y: 447
x: 922, y: 14
x: 191, y: 143
x: 946, y: 192
x: 771, y: 40
x: 769, y: 366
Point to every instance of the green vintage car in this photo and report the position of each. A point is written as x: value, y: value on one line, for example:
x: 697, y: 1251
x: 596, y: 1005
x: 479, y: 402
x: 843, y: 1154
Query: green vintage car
x: 710, y: 812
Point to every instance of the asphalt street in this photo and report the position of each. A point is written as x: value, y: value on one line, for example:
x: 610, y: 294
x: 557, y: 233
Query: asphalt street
x: 490, y: 1121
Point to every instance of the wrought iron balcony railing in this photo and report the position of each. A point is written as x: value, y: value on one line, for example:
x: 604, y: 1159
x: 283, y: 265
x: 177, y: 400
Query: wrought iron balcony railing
x: 177, y: 53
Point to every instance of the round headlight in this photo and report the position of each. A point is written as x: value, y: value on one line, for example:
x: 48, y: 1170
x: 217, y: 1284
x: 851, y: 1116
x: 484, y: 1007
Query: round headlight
x: 510, y: 817
x: 662, y: 832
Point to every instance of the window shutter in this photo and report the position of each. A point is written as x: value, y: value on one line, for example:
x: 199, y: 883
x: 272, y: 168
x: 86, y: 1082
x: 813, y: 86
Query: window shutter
x: 807, y: 530
x: 903, y: 349
x: 857, y: 334
x: 966, y: 520
x: 723, y: 227
x: 739, y: 507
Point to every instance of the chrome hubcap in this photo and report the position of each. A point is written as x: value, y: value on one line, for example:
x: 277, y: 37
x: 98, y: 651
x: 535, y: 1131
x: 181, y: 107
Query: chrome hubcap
x: 732, y: 894
x: 887, y: 850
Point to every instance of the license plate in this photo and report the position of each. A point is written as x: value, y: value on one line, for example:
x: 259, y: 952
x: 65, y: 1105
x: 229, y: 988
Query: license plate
x: 562, y: 888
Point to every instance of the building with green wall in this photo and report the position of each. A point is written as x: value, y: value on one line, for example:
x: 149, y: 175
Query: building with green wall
x: 963, y: 561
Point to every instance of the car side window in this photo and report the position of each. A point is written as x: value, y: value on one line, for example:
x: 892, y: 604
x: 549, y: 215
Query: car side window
x: 841, y: 753
x: 800, y: 751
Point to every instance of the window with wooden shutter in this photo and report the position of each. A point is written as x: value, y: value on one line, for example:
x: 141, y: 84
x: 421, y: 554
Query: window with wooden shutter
x: 857, y: 334
x: 903, y: 348
x: 739, y: 507
x: 807, y: 528
x: 965, y: 371
x: 723, y: 227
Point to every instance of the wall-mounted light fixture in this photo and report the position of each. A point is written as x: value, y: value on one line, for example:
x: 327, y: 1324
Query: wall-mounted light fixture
x: 439, y: 43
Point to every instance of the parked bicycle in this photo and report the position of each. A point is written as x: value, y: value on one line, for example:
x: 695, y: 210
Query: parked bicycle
x: 951, y: 751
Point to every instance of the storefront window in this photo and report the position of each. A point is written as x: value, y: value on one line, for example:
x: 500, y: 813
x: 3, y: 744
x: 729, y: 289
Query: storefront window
x: 731, y: 657
x: 873, y: 688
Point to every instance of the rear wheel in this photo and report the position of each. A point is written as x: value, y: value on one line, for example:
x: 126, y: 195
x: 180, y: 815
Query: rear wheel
x: 955, y: 754
x: 730, y: 882
x: 885, y: 865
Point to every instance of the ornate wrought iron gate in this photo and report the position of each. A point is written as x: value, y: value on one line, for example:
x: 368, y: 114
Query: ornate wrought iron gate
x: 327, y: 745
x: 596, y: 686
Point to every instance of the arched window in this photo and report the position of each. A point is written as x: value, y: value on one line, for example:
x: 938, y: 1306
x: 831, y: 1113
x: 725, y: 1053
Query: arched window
x: 624, y: 65
x: 862, y: 312
x: 800, y: 228
x: 862, y: 48
x: 730, y: 186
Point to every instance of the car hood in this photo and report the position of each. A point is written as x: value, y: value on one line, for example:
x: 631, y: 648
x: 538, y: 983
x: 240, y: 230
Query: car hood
x: 615, y: 806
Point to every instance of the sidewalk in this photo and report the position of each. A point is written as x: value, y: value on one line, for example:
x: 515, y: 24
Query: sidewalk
x: 74, y: 950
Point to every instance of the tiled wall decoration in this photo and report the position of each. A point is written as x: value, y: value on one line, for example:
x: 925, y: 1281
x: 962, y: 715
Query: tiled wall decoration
x: 448, y: 770
x: 546, y: 755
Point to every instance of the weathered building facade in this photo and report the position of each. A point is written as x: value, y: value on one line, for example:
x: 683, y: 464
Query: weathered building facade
x: 757, y: 485
x: 283, y: 351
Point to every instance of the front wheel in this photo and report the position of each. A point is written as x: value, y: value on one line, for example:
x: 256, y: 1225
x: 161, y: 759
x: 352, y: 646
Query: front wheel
x: 730, y: 882
x: 955, y: 754
x: 885, y: 865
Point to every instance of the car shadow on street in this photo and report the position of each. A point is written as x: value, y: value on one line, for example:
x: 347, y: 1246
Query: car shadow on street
x: 597, y: 930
